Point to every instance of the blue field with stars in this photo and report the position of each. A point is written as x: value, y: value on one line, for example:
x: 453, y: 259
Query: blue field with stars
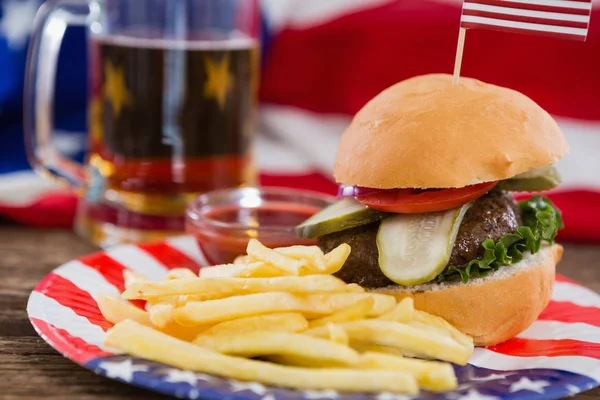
x: 475, y: 383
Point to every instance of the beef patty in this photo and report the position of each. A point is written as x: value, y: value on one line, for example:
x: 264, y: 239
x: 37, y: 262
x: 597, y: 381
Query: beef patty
x: 490, y: 217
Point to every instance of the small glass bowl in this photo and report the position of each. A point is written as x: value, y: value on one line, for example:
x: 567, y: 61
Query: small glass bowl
x: 223, y: 221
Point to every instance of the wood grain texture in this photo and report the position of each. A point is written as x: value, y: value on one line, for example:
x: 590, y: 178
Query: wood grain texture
x: 30, y: 369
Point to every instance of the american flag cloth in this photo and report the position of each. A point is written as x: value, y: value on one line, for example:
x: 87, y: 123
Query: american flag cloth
x: 567, y: 19
x: 557, y: 357
x: 323, y: 60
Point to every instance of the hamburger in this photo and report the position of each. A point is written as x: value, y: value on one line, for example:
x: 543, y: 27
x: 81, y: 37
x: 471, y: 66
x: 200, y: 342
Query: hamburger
x: 427, y: 172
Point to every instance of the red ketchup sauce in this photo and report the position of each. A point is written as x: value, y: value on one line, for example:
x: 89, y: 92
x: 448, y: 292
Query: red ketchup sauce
x: 224, y: 231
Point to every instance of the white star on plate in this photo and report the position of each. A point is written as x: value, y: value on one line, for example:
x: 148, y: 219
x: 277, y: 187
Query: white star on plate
x: 177, y: 375
x: 269, y: 397
x: 490, y: 377
x: 123, y: 370
x: 194, y: 394
x: 258, y: 388
x: 464, y: 386
x: 475, y: 395
x: 390, y: 396
x: 320, y: 394
x: 526, y: 384
x: 204, y: 377
x: 17, y: 20
x: 573, y: 389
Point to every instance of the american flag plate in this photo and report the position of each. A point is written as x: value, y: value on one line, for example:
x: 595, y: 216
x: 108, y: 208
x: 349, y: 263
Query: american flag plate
x: 557, y: 357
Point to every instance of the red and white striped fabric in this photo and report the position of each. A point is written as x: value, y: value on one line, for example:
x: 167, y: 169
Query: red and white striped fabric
x: 326, y: 59
x: 567, y: 19
x: 64, y: 311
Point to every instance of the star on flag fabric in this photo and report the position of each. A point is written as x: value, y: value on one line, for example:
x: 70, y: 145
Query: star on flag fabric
x: 557, y: 357
x: 322, y: 61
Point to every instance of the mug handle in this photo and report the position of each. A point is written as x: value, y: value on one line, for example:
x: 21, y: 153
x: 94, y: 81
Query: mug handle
x: 49, y: 27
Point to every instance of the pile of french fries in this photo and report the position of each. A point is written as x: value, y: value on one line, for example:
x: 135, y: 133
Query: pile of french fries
x: 278, y: 316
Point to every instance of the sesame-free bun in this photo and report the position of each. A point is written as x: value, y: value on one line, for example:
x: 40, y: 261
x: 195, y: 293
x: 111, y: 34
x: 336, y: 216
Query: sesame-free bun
x: 495, y: 308
x: 425, y: 132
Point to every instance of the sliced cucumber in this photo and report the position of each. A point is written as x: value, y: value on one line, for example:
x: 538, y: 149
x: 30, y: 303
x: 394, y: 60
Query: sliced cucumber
x: 544, y: 178
x: 415, y: 248
x: 341, y: 215
x: 548, y: 170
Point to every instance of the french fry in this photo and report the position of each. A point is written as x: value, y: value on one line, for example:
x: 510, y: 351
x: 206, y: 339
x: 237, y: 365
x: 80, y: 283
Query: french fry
x: 431, y: 375
x: 364, y: 347
x: 313, y: 254
x: 354, y: 288
x: 284, y: 322
x: 261, y: 343
x: 242, y: 260
x: 257, y: 251
x: 144, y: 342
x: 309, y: 260
x: 256, y: 269
x: 337, y: 334
x: 337, y: 301
x: 214, y: 288
x: 283, y: 305
x: 214, y: 311
x: 179, y: 273
x: 403, y: 312
x: 174, y: 301
x: 421, y: 342
x: 299, y: 361
x: 421, y: 325
x: 130, y: 277
x: 335, y: 259
x: 161, y: 314
x: 434, y: 320
x: 116, y: 310
x: 358, y: 310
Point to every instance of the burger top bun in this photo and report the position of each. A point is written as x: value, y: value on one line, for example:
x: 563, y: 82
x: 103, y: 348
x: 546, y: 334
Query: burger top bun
x: 425, y: 132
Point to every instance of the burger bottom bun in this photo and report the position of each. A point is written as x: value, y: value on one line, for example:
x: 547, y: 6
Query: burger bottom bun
x: 495, y: 308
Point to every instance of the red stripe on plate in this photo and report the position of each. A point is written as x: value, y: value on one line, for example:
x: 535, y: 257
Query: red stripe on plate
x: 549, y: 348
x: 474, y: 25
x: 521, y: 18
x: 111, y: 270
x: 170, y: 256
x: 569, y: 312
x: 67, y: 294
x: 534, y: 7
x: 72, y: 347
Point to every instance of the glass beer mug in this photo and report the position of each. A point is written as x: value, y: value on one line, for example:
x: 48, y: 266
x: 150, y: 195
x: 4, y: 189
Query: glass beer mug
x: 172, y: 94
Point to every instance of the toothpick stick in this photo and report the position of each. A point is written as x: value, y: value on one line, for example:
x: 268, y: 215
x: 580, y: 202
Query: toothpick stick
x: 459, y: 54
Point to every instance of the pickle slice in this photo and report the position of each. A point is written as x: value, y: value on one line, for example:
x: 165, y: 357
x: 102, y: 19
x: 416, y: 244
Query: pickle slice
x: 544, y: 178
x: 341, y: 215
x: 415, y: 248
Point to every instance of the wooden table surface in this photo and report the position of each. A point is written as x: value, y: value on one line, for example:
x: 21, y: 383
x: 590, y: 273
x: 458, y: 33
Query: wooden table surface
x: 29, y: 368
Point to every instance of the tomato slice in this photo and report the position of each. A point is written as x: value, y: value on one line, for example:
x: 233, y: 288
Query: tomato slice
x: 412, y: 201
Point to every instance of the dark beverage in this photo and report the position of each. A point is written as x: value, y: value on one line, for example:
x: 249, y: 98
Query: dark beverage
x: 173, y: 87
x: 169, y: 119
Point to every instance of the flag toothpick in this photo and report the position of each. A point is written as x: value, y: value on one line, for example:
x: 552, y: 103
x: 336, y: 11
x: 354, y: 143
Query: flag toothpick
x: 555, y: 18
x: 459, y: 54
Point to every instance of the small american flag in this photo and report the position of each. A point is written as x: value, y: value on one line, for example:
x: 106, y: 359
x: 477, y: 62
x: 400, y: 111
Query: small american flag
x: 568, y: 19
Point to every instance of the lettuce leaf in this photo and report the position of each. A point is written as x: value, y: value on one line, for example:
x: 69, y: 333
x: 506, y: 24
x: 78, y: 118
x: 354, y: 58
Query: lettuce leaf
x: 541, y: 222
